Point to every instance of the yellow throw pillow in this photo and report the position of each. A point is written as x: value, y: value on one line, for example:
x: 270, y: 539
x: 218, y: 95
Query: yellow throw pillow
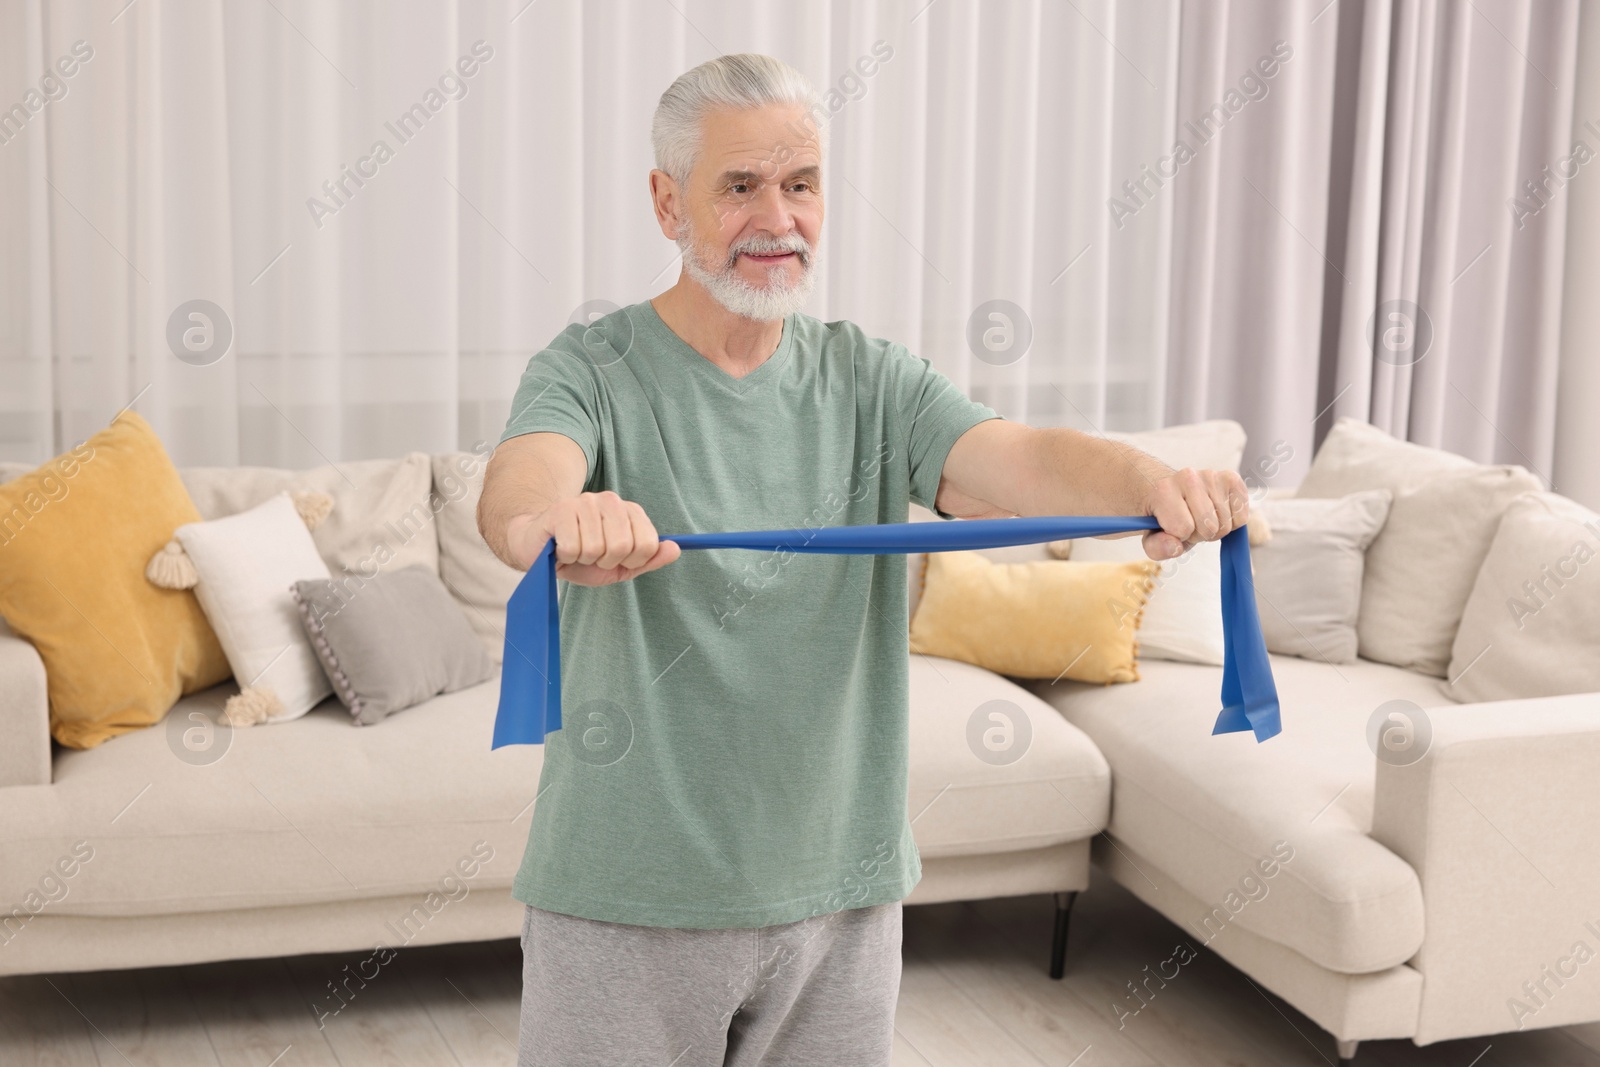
x: 75, y: 536
x: 1046, y: 619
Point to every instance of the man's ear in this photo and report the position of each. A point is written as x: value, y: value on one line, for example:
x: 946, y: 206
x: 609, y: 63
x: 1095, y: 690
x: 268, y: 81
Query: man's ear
x: 665, y: 201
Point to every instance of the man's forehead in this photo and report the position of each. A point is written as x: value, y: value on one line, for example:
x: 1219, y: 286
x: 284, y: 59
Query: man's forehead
x: 759, y: 138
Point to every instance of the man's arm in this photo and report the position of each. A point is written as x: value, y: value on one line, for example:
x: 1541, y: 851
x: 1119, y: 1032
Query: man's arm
x: 1000, y: 468
x: 533, y: 489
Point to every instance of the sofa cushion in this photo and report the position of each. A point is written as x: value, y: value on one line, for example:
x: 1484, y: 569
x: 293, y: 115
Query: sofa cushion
x: 308, y: 811
x: 383, y: 511
x: 316, y: 811
x: 1532, y: 623
x: 1210, y: 808
x: 994, y: 768
x: 476, y: 578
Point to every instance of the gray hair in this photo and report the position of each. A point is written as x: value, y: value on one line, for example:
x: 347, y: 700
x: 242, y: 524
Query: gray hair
x: 744, y: 80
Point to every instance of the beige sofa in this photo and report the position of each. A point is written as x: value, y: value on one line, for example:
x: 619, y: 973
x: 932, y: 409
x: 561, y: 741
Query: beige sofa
x: 1405, y: 901
x: 189, y: 842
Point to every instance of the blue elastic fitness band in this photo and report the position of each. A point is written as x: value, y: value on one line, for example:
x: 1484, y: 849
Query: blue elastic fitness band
x: 530, y: 682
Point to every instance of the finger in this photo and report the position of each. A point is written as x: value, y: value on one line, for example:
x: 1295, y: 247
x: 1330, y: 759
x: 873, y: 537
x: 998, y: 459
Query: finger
x: 591, y: 538
x: 616, y: 528
x: 666, y: 552
x: 568, y: 537
x: 1160, y: 545
x: 1170, y: 509
x: 645, y: 539
x: 1197, y: 495
x: 1217, y: 487
x: 1233, y: 500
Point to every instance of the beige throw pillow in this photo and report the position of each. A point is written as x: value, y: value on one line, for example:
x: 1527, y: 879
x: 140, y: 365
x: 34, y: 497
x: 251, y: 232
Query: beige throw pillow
x: 1531, y: 627
x: 1357, y: 455
x: 1421, y: 566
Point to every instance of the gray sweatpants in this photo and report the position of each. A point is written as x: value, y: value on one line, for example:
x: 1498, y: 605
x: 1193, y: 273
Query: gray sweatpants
x: 820, y: 991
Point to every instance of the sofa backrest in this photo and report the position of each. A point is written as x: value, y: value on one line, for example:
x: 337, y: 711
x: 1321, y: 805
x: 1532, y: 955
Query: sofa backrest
x: 382, y: 519
x: 477, y: 579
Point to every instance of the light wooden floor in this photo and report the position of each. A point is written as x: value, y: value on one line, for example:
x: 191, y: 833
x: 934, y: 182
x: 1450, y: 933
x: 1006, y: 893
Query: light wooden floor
x: 974, y: 992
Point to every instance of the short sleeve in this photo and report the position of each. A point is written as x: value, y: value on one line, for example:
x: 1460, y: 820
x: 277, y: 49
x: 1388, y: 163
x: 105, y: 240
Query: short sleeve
x: 936, y: 412
x: 558, y: 394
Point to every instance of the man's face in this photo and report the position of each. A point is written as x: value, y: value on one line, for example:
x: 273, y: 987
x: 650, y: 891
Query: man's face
x: 752, y: 213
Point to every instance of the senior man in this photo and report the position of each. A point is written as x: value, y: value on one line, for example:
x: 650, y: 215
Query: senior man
x: 720, y: 842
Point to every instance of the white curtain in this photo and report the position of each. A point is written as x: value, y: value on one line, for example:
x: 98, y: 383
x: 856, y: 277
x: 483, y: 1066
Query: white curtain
x: 972, y: 164
x: 1003, y: 151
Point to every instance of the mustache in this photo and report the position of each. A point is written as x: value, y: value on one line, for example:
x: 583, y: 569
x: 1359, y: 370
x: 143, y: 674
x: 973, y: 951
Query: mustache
x: 793, y: 243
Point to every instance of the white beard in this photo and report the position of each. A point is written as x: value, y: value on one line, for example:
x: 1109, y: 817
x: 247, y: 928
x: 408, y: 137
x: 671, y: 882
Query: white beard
x: 777, y: 300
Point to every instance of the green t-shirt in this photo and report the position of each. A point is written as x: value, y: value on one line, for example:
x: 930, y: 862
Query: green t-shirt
x: 733, y: 750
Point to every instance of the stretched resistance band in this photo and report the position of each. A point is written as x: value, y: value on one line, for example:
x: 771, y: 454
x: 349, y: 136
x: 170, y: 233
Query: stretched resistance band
x: 530, y: 682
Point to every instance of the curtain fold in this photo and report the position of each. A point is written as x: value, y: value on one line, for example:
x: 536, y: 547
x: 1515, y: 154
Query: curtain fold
x: 1455, y: 342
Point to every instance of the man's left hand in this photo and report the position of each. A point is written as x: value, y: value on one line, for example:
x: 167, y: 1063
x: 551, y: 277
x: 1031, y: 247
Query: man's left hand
x: 1193, y: 506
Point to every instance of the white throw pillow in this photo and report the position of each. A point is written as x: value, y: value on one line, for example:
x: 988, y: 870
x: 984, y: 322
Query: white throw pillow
x: 247, y: 565
x: 1217, y: 444
x: 1308, y: 576
x: 1531, y: 627
x: 1183, y: 617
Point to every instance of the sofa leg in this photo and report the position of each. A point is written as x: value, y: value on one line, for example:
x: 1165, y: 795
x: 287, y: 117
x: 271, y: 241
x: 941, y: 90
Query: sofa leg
x: 1347, y: 1051
x: 1058, y: 950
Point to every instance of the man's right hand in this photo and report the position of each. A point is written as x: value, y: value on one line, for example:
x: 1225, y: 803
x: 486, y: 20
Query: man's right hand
x: 600, y: 539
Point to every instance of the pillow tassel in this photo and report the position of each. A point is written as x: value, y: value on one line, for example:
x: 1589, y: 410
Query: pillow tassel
x: 252, y: 704
x: 312, y: 505
x: 171, y: 568
x: 1260, y: 529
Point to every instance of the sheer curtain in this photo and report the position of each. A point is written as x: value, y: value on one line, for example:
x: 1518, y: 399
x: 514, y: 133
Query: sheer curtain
x: 394, y: 309
x: 1026, y: 153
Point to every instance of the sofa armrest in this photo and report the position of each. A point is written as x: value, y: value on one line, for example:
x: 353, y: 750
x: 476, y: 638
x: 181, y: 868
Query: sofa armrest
x: 24, y: 714
x: 1499, y: 818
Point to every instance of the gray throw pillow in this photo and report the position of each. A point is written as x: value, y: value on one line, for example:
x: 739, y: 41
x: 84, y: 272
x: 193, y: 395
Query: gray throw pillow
x: 1308, y: 576
x: 390, y: 641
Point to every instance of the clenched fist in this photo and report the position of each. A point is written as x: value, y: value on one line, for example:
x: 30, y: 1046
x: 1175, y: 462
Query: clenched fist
x: 600, y: 539
x: 1193, y: 506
